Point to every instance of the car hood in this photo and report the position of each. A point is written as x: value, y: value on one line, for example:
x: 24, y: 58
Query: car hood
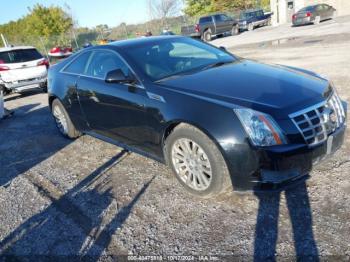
x: 273, y: 89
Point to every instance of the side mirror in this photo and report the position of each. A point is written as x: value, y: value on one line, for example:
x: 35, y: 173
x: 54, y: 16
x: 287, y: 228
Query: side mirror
x: 223, y: 48
x: 118, y: 76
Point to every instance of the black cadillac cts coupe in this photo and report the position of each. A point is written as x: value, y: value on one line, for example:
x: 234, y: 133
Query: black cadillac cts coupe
x: 218, y: 120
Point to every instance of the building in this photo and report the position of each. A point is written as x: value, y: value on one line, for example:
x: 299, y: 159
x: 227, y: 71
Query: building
x: 284, y: 9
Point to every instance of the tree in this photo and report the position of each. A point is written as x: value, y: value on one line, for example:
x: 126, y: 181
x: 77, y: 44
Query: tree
x: 48, y: 21
x: 202, y: 7
x: 198, y: 7
x: 163, y: 9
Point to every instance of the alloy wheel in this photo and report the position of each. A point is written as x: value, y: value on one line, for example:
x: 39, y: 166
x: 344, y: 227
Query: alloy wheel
x: 60, y: 119
x: 191, y: 164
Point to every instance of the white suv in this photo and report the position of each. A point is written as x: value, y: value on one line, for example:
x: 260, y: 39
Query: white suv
x: 22, y: 68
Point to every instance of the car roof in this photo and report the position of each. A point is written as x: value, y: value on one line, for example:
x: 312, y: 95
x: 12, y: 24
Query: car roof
x: 143, y: 40
x: 11, y: 48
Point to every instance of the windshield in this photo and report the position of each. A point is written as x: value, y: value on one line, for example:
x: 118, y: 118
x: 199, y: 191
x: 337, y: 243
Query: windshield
x: 177, y: 56
x: 19, y: 56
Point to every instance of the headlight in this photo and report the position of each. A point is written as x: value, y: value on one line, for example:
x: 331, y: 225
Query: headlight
x: 261, y: 128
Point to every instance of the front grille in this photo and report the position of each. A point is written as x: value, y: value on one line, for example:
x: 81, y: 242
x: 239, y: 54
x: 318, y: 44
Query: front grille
x: 317, y: 122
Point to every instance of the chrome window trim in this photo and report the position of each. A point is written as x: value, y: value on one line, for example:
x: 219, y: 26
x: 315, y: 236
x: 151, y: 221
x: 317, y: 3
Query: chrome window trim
x: 138, y: 85
x: 74, y: 59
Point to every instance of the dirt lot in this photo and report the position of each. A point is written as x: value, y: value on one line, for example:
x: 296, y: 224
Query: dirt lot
x: 89, y: 198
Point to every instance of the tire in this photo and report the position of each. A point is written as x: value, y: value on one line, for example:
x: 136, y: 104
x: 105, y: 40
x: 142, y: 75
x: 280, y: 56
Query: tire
x: 269, y: 22
x: 5, y: 91
x: 235, y: 30
x: 63, y: 121
x: 207, y: 164
x: 250, y: 27
x: 207, y: 35
x: 317, y: 20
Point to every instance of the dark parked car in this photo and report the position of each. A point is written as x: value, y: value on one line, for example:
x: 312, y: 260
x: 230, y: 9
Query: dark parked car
x: 250, y: 19
x: 313, y: 14
x: 218, y: 120
x: 209, y: 26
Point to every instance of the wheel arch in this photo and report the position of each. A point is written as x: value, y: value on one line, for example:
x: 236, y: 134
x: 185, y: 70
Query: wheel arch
x: 174, y: 123
x: 51, y: 99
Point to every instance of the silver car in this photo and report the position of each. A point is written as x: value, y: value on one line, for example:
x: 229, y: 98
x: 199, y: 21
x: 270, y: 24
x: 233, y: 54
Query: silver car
x: 22, y: 68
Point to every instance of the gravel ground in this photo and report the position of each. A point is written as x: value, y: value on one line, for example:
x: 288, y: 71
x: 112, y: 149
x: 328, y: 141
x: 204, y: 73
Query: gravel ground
x: 95, y: 200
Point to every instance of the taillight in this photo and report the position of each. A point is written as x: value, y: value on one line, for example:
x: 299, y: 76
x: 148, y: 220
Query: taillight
x: 308, y: 14
x: 44, y: 62
x: 294, y: 17
x: 197, y: 28
x: 55, y: 50
x: 4, y: 68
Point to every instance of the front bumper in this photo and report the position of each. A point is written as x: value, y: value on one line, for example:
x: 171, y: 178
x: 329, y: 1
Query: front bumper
x: 273, y: 168
x: 279, y: 166
x: 26, y: 85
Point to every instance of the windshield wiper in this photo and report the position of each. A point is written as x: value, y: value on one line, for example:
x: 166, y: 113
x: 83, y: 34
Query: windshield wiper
x: 217, y: 64
x: 194, y: 70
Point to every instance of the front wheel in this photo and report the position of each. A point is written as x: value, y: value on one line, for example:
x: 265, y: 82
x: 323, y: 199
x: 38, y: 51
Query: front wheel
x: 250, y: 27
x: 197, y: 162
x: 63, y: 121
x: 235, y: 30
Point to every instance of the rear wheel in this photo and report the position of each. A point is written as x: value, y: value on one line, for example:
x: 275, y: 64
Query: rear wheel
x: 197, y: 162
x: 5, y: 91
x: 207, y: 35
x: 63, y: 121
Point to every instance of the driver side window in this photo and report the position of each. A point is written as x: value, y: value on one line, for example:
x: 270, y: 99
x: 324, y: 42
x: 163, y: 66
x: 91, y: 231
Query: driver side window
x: 103, y: 62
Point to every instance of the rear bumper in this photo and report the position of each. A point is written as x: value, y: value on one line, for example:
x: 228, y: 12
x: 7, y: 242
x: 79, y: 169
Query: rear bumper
x: 302, y: 21
x: 26, y: 85
x: 195, y: 35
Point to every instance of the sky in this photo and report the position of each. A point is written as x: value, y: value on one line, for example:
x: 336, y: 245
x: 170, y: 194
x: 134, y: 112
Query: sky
x: 88, y: 13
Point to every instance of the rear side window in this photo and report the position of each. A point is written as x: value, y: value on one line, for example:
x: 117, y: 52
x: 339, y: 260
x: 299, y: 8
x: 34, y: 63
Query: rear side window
x: 19, y: 56
x: 205, y: 19
x: 103, y: 62
x: 308, y: 8
x: 79, y: 64
x: 221, y: 18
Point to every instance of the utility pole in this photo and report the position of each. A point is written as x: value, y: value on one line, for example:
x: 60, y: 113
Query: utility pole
x: 4, y: 40
x: 126, y: 31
